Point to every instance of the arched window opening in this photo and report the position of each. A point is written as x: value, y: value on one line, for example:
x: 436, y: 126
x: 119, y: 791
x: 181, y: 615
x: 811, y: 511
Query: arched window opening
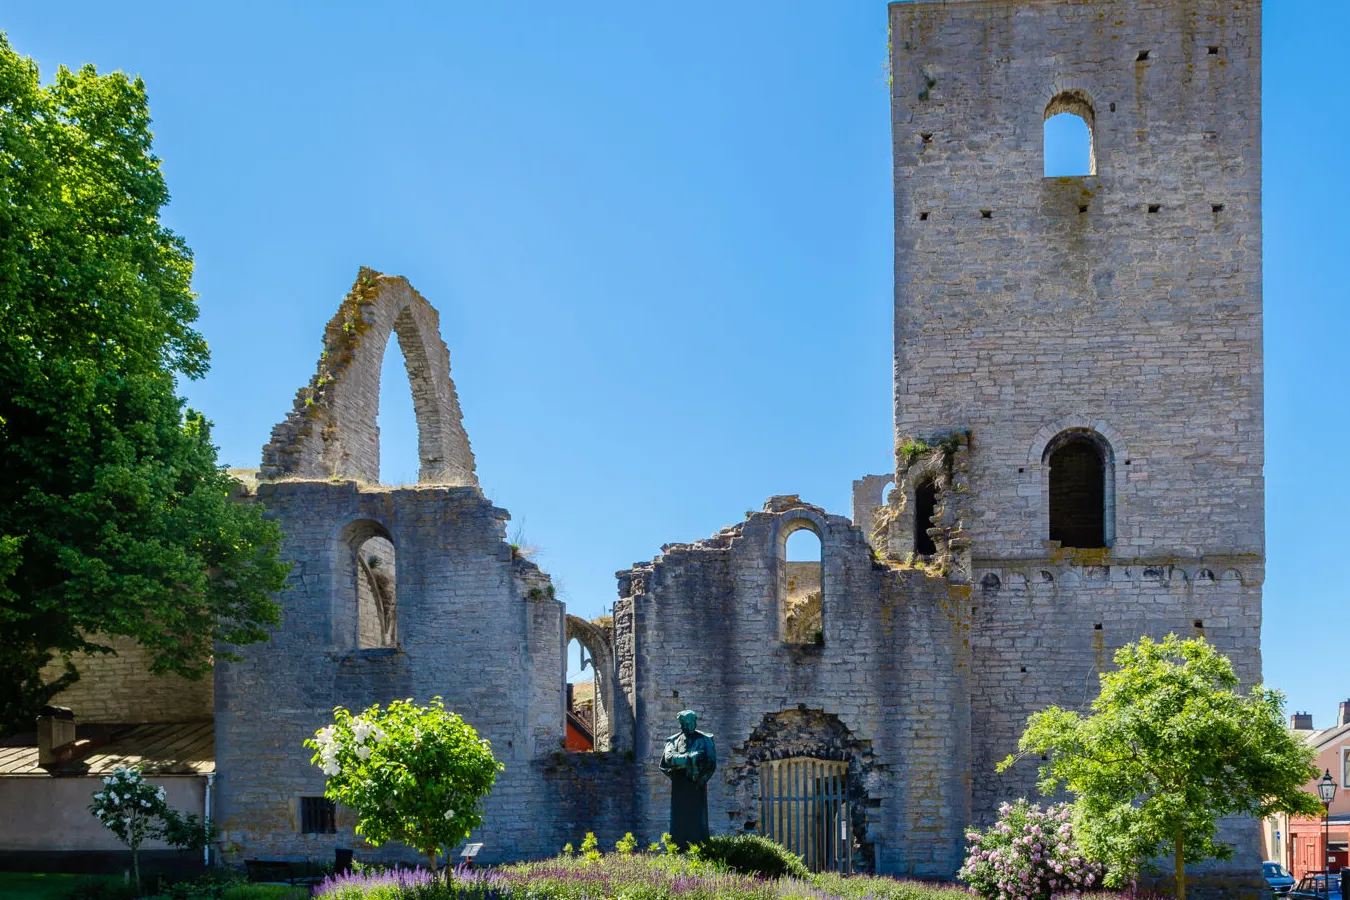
x: 1068, y: 136
x: 1079, y: 473
x: 801, y: 587
x: 396, y: 419
x: 581, y: 698
x: 925, y: 506
x: 366, y: 599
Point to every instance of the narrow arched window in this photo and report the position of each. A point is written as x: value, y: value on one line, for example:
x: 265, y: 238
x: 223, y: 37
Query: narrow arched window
x: 925, y: 505
x: 1079, y: 473
x: 801, y: 586
x: 367, y: 607
x: 581, y: 698
x: 1067, y: 132
x: 396, y: 423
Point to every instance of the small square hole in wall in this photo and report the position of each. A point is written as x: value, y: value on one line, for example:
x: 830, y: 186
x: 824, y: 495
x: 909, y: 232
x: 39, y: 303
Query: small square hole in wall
x: 1199, y: 623
x: 1082, y: 208
x: 1097, y: 627
x: 1113, y: 107
x: 926, y: 137
x: 986, y: 214
x: 1143, y: 55
x: 1213, y: 51
x: 1128, y: 461
x: 923, y: 217
x: 1216, y: 207
x: 1020, y: 471
x: 1024, y: 668
x: 1155, y: 207
x: 675, y: 694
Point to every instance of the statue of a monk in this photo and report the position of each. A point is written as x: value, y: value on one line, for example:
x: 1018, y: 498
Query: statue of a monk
x: 689, y: 761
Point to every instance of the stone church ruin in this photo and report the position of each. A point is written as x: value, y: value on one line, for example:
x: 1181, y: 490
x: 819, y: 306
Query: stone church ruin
x: 1077, y: 462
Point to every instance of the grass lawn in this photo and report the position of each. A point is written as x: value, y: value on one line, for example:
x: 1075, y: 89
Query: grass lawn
x: 41, y: 886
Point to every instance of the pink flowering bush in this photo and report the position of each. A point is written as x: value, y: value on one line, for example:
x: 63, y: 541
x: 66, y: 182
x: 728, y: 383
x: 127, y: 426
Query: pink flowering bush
x: 1029, y: 855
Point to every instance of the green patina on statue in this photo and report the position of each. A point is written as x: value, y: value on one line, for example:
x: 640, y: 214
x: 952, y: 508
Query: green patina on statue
x: 689, y: 761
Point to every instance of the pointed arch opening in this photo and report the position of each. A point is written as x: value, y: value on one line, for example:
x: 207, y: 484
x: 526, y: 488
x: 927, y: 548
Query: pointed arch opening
x: 396, y: 425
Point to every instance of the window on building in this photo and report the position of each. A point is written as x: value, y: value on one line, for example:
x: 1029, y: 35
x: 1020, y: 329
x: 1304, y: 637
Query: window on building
x: 801, y: 585
x: 367, y: 617
x: 925, y: 505
x: 1345, y: 767
x: 318, y: 815
x: 1079, y: 475
x: 376, y: 602
x: 1068, y: 139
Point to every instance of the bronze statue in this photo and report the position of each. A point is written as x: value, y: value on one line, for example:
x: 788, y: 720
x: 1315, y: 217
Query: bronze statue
x: 689, y: 761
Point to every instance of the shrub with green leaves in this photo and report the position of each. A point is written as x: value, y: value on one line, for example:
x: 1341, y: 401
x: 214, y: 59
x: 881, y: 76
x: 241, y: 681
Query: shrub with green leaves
x: 752, y: 854
x: 416, y: 774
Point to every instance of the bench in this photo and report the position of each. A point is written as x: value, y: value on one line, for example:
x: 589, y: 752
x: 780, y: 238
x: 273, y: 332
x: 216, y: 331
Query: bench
x: 284, y: 871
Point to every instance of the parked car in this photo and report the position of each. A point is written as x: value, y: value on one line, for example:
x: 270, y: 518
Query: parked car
x: 1280, y: 881
x: 1314, y: 884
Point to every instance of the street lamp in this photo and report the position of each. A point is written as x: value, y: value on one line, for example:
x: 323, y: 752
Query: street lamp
x: 1326, y: 791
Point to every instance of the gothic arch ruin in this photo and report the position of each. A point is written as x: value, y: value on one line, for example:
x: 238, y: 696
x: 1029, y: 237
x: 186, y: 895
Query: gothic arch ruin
x: 332, y: 433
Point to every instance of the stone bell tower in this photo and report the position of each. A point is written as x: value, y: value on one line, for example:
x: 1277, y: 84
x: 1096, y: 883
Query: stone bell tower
x: 1088, y: 346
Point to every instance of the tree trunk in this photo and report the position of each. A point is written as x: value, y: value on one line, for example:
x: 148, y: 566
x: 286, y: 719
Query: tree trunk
x: 136, y: 867
x: 431, y: 857
x: 1180, y: 867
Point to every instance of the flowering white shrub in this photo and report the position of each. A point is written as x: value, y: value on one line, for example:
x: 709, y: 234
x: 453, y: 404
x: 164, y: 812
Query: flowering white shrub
x: 1029, y: 855
x: 416, y: 774
x: 134, y: 811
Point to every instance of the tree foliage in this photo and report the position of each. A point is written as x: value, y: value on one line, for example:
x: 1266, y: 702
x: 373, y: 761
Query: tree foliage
x: 1171, y: 747
x: 416, y: 774
x: 115, y: 518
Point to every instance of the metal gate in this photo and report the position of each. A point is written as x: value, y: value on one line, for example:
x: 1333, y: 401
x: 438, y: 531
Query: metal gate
x: 803, y: 805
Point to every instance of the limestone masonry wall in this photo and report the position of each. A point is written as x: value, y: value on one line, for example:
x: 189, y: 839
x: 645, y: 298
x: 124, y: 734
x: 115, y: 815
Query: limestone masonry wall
x: 476, y: 628
x: 120, y: 688
x: 1125, y: 304
x: 891, y: 675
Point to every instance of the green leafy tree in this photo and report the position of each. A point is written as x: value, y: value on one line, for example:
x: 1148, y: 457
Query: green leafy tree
x: 115, y: 518
x: 1171, y: 747
x: 416, y: 774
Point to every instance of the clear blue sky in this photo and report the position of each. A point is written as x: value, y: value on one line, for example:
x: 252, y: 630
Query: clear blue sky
x: 659, y: 237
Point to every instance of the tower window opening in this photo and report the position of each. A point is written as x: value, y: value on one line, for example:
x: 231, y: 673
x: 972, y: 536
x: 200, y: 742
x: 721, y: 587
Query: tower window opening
x: 801, y: 585
x: 1068, y: 137
x: 925, y: 505
x: 1143, y: 55
x: 1078, y: 476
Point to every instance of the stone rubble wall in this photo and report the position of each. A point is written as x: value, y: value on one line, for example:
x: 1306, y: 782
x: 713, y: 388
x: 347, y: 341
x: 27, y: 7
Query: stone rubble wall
x: 1143, y: 326
x: 892, y: 671
x: 1126, y: 302
x: 477, y: 626
x: 332, y: 430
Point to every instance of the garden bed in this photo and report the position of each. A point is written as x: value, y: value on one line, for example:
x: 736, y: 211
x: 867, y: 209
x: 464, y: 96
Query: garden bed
x: 636, y: 876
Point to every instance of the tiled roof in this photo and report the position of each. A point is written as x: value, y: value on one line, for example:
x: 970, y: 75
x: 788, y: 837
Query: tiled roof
x: 174, y: 749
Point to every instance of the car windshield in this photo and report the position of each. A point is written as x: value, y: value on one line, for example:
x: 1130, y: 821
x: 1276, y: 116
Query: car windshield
x: 1275, y: 870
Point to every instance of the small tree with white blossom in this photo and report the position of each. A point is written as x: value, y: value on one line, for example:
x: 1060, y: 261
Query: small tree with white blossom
x: 134, y: 811
x: 416, y: 774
